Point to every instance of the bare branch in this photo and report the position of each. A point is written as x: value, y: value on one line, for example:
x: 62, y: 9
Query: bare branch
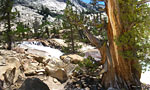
x: 98, y: 43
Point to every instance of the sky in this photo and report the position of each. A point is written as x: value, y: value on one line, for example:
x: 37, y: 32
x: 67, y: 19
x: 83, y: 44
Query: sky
x: 87, y: 1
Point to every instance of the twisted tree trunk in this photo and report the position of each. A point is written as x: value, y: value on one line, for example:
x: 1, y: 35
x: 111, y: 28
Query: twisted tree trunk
x: 120, y: 72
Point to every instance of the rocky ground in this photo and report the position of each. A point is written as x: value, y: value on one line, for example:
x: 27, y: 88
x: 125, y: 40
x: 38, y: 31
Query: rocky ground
x: 21, y: 70
x: 19, y: 67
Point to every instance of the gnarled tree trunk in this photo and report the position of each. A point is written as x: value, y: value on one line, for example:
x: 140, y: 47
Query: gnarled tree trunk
x: 120, y: 74
x: 123, y: 73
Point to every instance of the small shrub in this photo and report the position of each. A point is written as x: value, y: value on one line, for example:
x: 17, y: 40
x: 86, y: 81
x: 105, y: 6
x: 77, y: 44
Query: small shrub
x: 89, y: 64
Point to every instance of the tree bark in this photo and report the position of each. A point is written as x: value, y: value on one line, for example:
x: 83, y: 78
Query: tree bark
x: 47, y: 31
x: 121, y: 73
x: 72, y: 41
x: 9, y: 38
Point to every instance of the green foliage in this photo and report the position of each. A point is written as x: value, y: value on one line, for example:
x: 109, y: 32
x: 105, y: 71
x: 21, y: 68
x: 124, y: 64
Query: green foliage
x: 94, y: 2
x: 6, y: 8
x: 135, y: 39
x: 21, y: 31
x: 97, y: 26
x: 55, y: 31
x: 45, y: 12
x: 7, y: 15
x: 44, y: 23
x: 71, y: 34
x: 21, y: 28
x: 93, y: 23
x: 41, y: 29
x: 132, y: 13
x: 75, y: 22
x: 89, y: 64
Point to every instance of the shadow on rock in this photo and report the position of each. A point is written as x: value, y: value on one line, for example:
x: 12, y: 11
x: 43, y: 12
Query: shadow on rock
x: 1, y: 85
x: 33, y: 84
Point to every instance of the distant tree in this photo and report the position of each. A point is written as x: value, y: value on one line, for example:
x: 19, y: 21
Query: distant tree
x: 7, y: 15
x: 45, y: 12
x: 94, y: 2
x: 36, y: 27
x: 57, y: 25
x: 40, y: 29
x: 44, y: 29
x: 70, y: 21
x: 21, y: 32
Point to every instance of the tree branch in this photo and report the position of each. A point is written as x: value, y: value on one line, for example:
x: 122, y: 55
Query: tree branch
x: 142, y: 2
x: 98, y: 43
x: 131, y: 25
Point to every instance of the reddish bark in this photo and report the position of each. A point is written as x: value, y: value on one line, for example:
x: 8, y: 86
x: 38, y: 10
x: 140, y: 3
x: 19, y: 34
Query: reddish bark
x: 121, y: 73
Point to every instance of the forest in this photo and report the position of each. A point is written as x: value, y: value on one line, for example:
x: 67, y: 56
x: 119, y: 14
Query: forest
x: 74, y: 45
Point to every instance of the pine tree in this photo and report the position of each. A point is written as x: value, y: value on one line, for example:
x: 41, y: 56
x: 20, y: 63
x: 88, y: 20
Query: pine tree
x: 36, y: 26
x: 128, y: 37
x: 21, y: 31
x: 7, y: 15
x: 70, y: 21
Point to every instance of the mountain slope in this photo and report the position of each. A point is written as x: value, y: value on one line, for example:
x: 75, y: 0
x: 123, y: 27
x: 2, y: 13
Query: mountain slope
x: 29, y: 9
x: 53, y: 4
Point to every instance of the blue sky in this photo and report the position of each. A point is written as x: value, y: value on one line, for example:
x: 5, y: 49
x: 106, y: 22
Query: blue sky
x: 87, y: 1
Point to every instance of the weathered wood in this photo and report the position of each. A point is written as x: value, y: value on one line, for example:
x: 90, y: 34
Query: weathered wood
x: 94, y: 40
x: 100, y: 45
x: 120, y: 73
x: 9, y: 37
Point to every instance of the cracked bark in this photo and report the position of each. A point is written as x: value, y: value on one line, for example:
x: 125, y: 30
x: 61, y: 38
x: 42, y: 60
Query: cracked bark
x: 121, y: 74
